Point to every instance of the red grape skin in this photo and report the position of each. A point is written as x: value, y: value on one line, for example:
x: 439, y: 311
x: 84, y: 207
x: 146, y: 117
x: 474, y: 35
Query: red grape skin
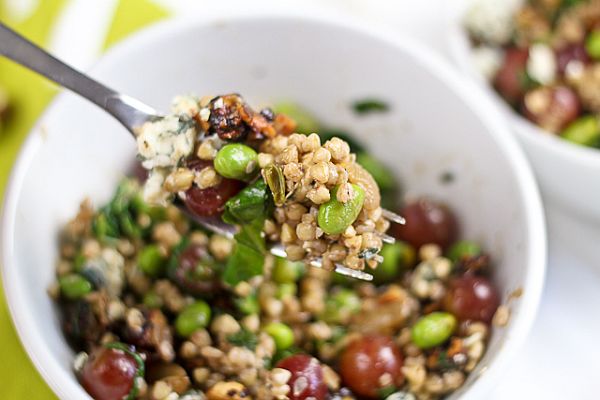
x: 209, y: 201
x: 569, y: 53
x: 307, y: 377
x: 188, y: 276
x: 108, y: 374
x: 509, y: 78
x: 139, y: 172
x: 471, y: 297
x: 364, y: 361
x: 426, y: 222
x: 560, y: 107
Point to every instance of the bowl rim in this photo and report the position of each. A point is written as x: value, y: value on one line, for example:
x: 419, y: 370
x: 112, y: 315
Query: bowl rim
x: 472, y: 96
x: 460, y: 52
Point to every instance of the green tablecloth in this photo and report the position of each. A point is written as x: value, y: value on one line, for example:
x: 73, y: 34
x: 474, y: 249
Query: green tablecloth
x: 29, y: 95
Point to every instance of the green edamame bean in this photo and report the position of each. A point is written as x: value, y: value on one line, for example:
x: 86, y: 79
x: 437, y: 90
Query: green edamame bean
x: 396, y: 257
x: 78, y: 262
x: 248, y: 305
x: 193, y: 317
x: 151, y: 261
x: 334, y: 216
x: 286, y: 271
x: 236, y: 161
x: 592, y: 44
x: 74, y: 286
x: 433, y: 329
x: 346, y: 298
x: 154, y: 212
x: 286, y: 290
x: 463, y: 249
x: 584, y: 131
x: 281, y: 334
x: 341, y: 305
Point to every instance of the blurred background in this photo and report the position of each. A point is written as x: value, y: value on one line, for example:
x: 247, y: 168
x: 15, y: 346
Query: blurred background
x: 80, y: 31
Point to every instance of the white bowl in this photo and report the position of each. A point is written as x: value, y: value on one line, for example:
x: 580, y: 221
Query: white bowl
x: 568, y: 174
x: 438, y: 123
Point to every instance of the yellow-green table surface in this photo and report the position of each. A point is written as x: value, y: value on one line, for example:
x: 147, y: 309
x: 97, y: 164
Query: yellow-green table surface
x: 29, y: 95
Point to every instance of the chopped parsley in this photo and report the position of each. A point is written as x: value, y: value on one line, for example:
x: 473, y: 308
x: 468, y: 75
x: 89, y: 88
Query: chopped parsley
x: 386, y: 391
x: 243, y: 338
x: 447, y: 177
x: 369, y: 105
x: 248, y: 255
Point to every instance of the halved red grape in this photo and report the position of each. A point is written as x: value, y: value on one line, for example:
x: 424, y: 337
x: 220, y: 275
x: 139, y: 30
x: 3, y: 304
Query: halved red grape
x: 370, y: 364
x: 551, y: 108
x: 426, y: 222
x: 209, y: 201
x: 509, y: 80
x: 194, y: 271
x: 108, y: 374
x: 307, y: 377
x: 471, y: 297
x: 574, y: 52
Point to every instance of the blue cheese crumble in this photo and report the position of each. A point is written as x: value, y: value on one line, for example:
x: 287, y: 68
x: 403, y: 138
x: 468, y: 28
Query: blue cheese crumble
x: 165, y: 143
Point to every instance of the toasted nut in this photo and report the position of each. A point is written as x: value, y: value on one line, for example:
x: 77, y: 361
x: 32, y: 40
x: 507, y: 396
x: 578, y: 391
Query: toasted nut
x: 172, y: 374
x: 179, y: 180
x: 228, y: 391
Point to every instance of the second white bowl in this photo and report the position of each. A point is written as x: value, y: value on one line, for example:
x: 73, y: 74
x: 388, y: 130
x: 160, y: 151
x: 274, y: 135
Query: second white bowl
x: 568, y: 174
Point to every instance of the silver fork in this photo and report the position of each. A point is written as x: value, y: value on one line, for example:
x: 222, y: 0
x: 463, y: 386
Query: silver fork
x: 131, y: 113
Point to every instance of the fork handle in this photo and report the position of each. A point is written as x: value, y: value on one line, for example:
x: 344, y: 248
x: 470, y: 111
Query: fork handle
x: 130, y: 112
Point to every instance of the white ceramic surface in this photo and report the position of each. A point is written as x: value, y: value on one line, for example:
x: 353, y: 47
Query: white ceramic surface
x: 568, y: 174
x: 439, y: 123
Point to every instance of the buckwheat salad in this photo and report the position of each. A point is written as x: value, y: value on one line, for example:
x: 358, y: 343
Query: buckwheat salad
x: 148, y: 303
x: 543, y: 58
x: 219, y: 156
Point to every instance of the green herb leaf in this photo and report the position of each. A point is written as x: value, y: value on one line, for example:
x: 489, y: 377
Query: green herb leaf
x: 243, y: 338
x: 251, y: 235
x: 248, y: 256
x: 141, y: 367
x: 281, y: 354
x: 248, y: 305
x: 526, y: 81
x: 126, y: 190
x: 105, y: 225
x: 384, y: 392
x: 245, y: 263
x: 119, y: 217
x: 268, y: 363
x: 447, y: 177
x: 128, y: 226
x: 444, y: 362
x: 173, y: 263
x: 369, y: 105
x: 339, y: 332
x: 248, y: 204
x: 564, y: 6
